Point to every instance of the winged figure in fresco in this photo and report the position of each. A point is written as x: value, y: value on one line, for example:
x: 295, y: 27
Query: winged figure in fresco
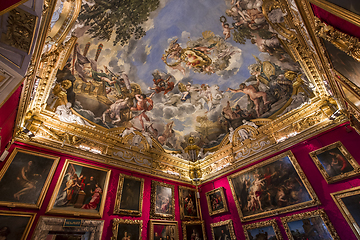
x: 161, y: 84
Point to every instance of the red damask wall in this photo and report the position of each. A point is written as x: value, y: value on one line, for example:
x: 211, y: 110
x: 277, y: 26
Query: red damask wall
x: 343, y: 133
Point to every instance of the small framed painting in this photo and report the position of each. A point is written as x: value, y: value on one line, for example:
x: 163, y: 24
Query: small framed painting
x: 308, y: 225
x: 162, y: 230
x: 129, y: 196
x: 188, y: 203
x: 216, y: 201
x: 15, y: 225
x: 223, y: 230
x: 194, y: 230
x: 162, y: 200
x: 335, y: 163
x: 126, y: 229
x: 80, y: 191
x: 263, y: 230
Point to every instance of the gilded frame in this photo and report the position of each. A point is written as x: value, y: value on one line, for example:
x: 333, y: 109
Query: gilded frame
x: 58, y: 210
x: 337, y: 145
x: 267, y: 223
x: 229, y: 225
x: 46, y: 185
x: 290, y: 208
x: 119, y: 195
x: 189, y: 223
x: 117, y: 221
x: 182, y: 203
x: 224, y: 209
x: 153, y: 223
x: 21, y: 214
x: 337, y: 197
x: 300, y: 216
x: 153, y: 205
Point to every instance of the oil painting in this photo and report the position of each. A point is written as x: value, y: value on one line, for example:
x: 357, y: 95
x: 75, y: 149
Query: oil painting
x: 161, y: 230
x: 15, y: 225
x: 194, y: 230
x: 132, y: 69
x: 129, y: 195
x: 223, y: 230
x: 335, y: 162
x: 309, y: 225
x: 348, y: 203
x: 188, y: 203
x: 126, y: 229
x: 216, y: 201
x: 80, y: 191
x: 274, y: 186
x: 25, y: 178
x: 268, y: 230
x: 162, y: 200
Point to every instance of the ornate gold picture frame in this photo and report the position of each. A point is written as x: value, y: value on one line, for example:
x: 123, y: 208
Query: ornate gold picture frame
x: 25, y: 178
x: 335, y: 163
x: 216, y: 201
x: 163, y: 229
x: 259, y: 191
x: 188, y: 203
x: 262, y: 230
x: 348, y: 203
x: 223, y: 230
x: 126, y: 229
x: 129, y: 196
x: 80, y: 191
x: 194, y: 230
x: 306, y: 223
x: 162, y: 200
x: 16, y: 225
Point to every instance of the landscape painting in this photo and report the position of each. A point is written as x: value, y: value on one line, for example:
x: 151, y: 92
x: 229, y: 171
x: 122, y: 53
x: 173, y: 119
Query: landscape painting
x: 274, y: 186
x: 199, y: 76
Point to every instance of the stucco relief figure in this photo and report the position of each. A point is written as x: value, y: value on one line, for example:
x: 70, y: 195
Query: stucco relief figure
x: 66, y: 115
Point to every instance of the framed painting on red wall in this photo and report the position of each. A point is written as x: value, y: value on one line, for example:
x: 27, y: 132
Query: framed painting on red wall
x: 263, y: 230
x: 194, y: 230
x: 274, y: 186
x: 188, y: 204
x: 80, y: 191
x: 216, y: 201
x: 162, y: 200
x: 160, y: 229
x: 15, y: 225
x: 223, y: 230
x: 126, y: 229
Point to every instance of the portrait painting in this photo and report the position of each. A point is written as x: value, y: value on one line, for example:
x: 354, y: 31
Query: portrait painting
x: 80, y: 191
x: 162, y: 200
x: 127, y: 229
x: 129, y: 196
x: 274, y: 186
x: 25, y: 178
x: 171, y: 80
x: 335, y: 163
x: 348, y: 202
x: 15, y: 225
x: 188, y: 203
x: 163, y: 230
x: 194, y: 230
x: 309, y: 225
x: 216, y: 201
x: 268, y: 230
x: 223, y: 230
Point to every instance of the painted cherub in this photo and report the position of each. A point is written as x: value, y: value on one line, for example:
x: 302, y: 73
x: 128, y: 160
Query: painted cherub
x: 226, y: 30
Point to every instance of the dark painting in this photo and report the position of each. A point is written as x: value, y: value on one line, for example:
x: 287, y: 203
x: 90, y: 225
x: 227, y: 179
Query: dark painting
x: 351, y: 5
x: 312, y: 228
x: 222, y: 232
x: 164, y: 232
x: 13, y: 227
x: 26, y: 177
x: 188, y: 204
x: 128, y: 232
x: 352, y: 203
x: 334, y: 162
x: 130, y: 195
x: 194, y: 232
x: 216, y: 201
x: 267, y: 233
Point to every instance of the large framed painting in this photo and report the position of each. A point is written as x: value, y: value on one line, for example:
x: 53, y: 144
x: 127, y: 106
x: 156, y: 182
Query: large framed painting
x: 162, y: 200
x: 129, y: 196
x: 160, y: 229
x: 126, y: 229
x: 25, y: 178
x: 80, y: 191
x: 216, y: 201
x: 188, y: 204
x: 223, y: 230
x: 15, y: 225
x: 268, y: 230
x: 309, y: 225
x: 335, y: 163
x: 277, y: 185
x: 194, y: 230
x: 348, y: 203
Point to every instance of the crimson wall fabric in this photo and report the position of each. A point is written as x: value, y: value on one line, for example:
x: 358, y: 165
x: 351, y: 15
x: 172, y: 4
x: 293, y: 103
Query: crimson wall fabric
x: 343, y: 133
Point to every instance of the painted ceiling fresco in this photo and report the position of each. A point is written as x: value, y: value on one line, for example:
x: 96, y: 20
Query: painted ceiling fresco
x: 179, y: 68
